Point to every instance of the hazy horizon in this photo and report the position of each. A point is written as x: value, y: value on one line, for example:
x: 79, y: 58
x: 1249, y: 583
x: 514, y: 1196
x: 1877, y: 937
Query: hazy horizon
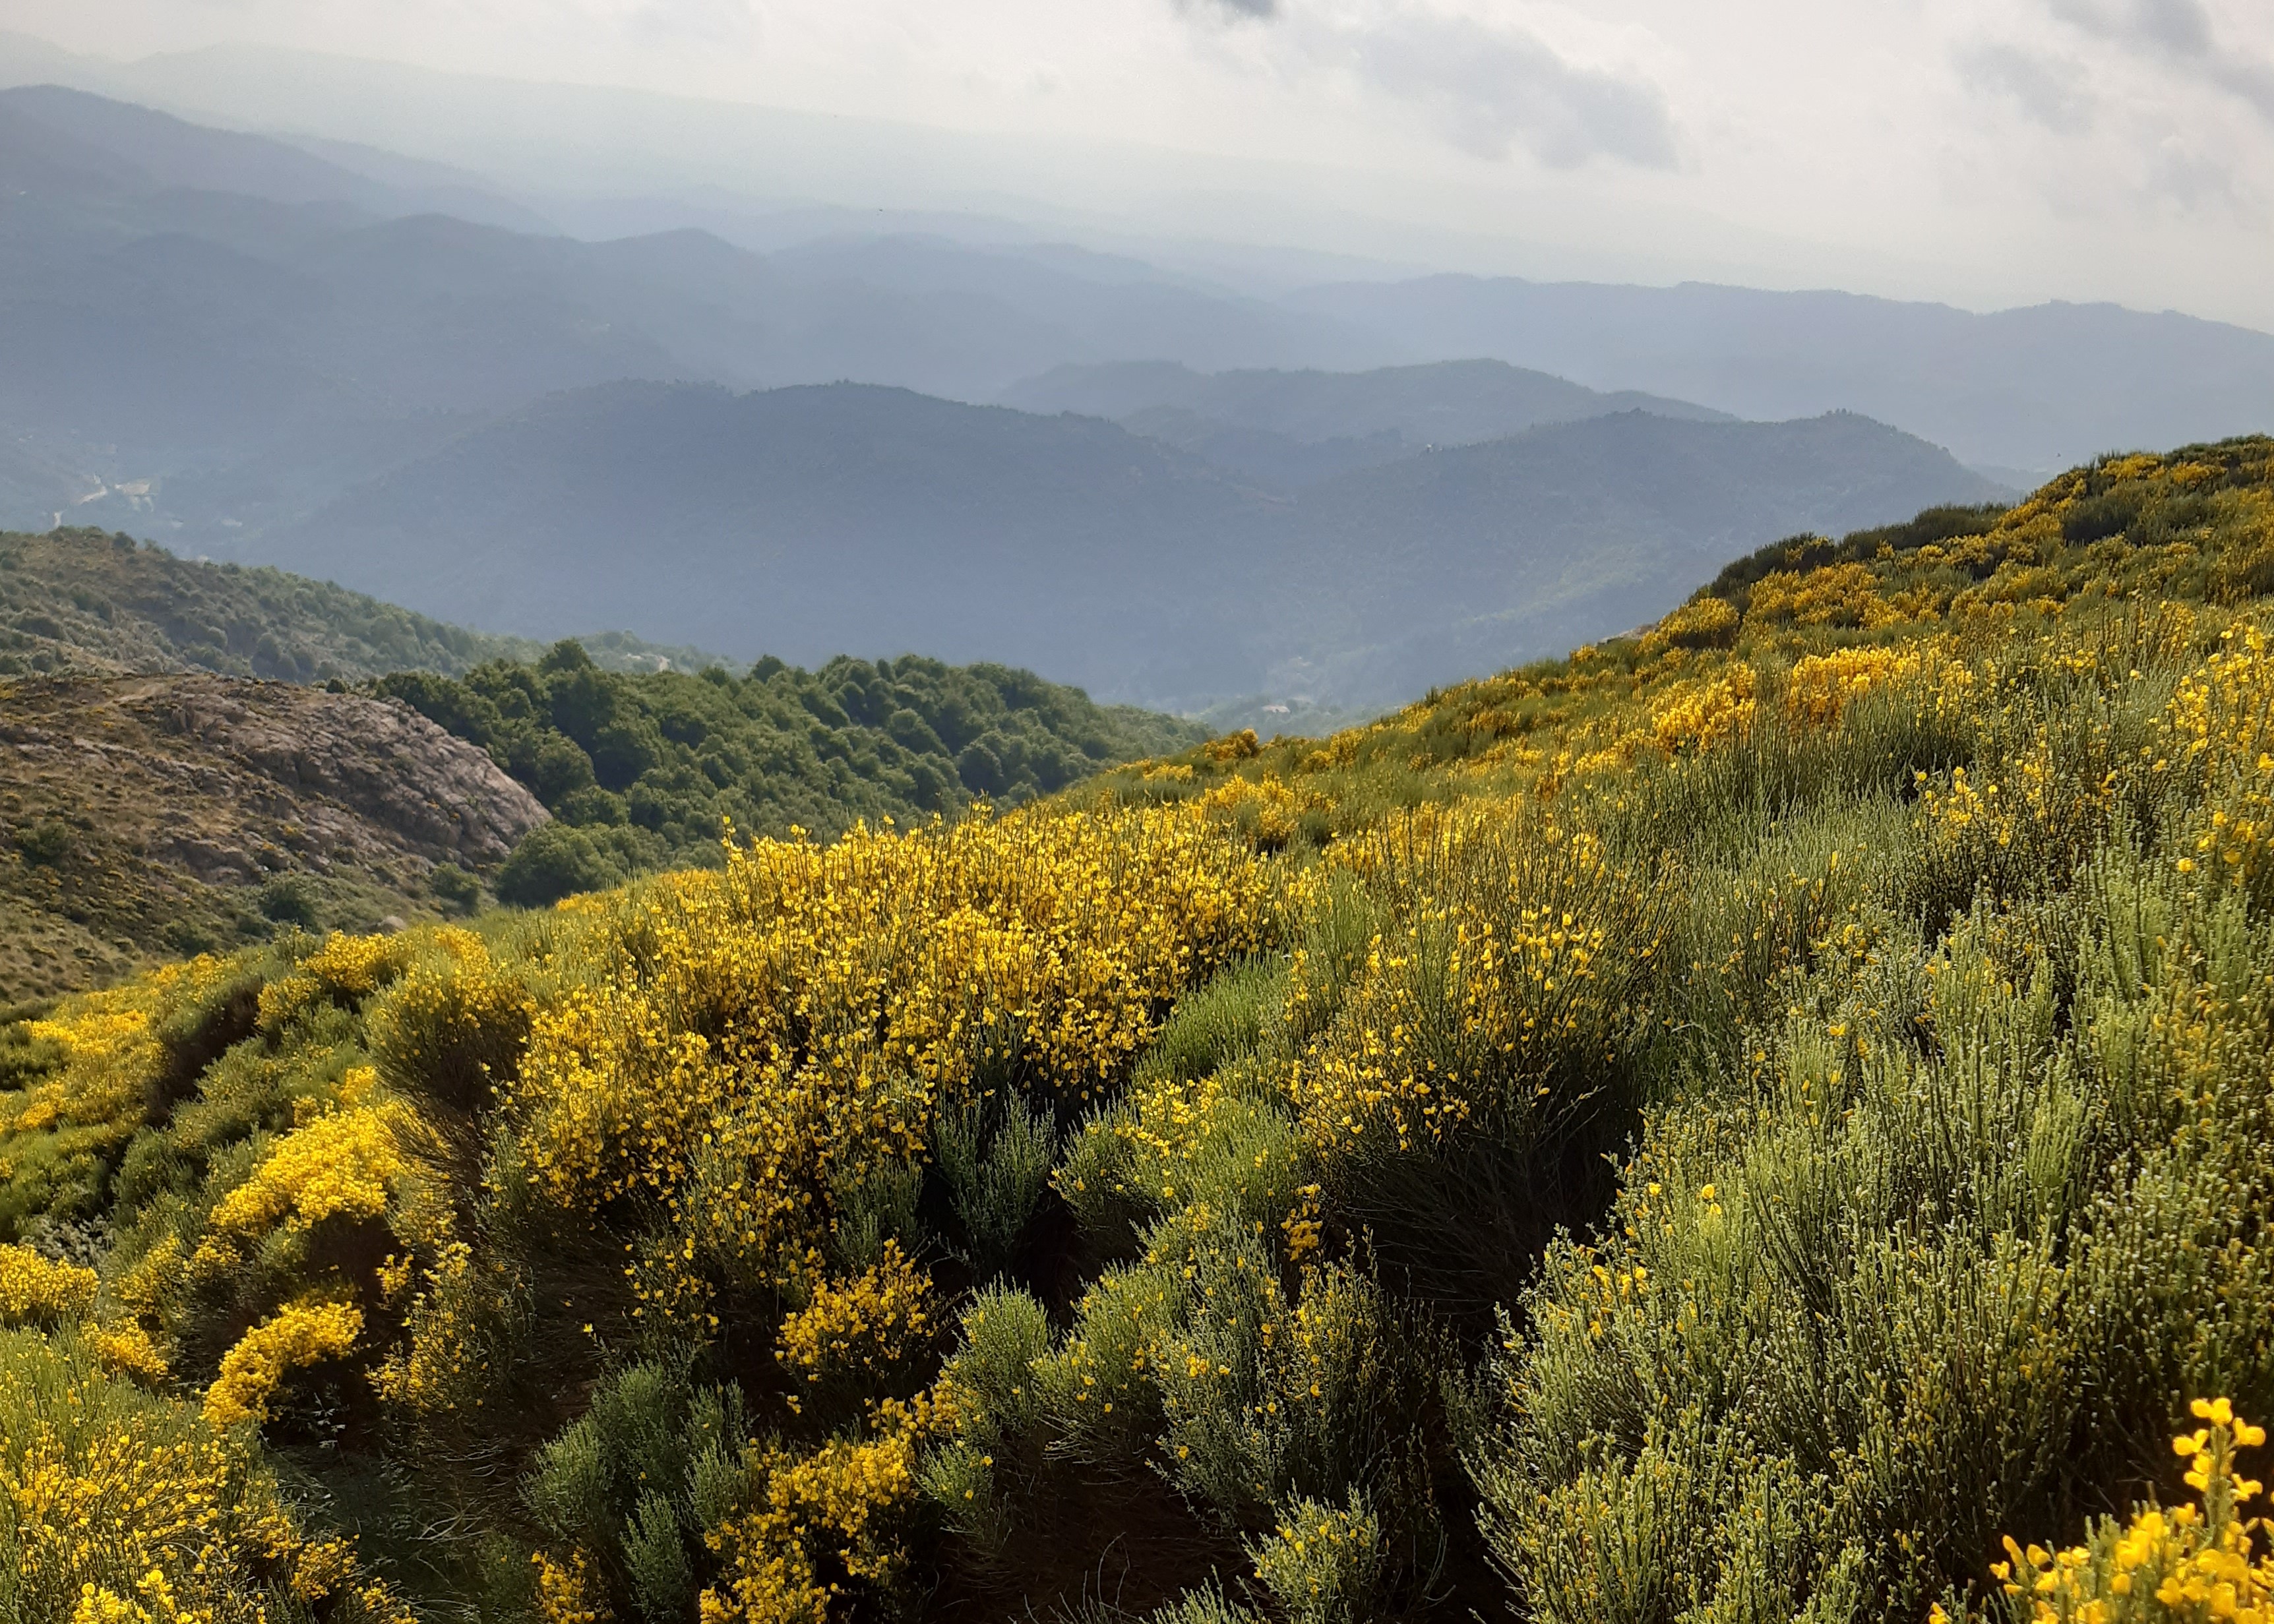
x: 2079, y: 150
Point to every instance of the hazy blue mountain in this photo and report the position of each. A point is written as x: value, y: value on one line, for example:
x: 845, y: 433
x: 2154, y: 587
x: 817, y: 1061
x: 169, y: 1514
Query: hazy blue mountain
x: 169, y: 153
x: 2032, y: 388
x: 1445, y: 403
x: 1294, y: 428
x: 241, y: 356
x: 811, y: 520
x: 1474, y: 557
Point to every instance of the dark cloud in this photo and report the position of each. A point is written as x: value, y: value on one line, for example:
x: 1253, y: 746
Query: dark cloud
x: 1493, y: 90
x: 2049, y: 89
x: 2180, y: 33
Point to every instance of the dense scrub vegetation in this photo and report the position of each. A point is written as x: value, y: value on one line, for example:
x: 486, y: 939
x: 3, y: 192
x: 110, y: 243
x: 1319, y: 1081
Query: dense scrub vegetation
x: 80, y: 601
x: 1739, y: 1125
x: 644, y: 771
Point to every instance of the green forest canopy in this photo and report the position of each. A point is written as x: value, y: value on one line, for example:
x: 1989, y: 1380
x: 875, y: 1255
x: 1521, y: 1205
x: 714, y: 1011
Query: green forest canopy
x: 646, y: 770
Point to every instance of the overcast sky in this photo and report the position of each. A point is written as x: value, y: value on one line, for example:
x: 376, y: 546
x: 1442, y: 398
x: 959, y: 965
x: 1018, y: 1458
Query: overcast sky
x: 1984, y: 151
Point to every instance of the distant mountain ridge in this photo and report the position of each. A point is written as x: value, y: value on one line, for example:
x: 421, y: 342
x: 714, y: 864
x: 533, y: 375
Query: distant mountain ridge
x: 209, y: 335
x: 2036, y: 387
x: 819, y: 519
x: 1296, y: 428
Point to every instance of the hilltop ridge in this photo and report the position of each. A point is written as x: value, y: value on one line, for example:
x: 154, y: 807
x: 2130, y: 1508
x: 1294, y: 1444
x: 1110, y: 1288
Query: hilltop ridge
x: 79, y: 601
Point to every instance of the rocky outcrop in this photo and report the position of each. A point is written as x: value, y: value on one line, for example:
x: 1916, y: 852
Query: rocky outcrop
x: 377, y: 759
x: 159, y: 814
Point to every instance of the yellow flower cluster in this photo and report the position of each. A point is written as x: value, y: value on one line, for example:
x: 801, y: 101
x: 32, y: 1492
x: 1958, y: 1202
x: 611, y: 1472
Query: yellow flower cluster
x: 346, y: 970
x: 564, y: 1589
x: 1232, y: 747
x: 456, y: 1021
x: 1708, y: 623
x: 834, y: 1510
x: 1263, y: 810
x: 1838, y: 595
x: 301, y: 1333
x: 35, y: 1290
x: 2199, y: 1562
x: 111, y: 1051
x: 129, y: 1351
x: 341, y: 1164
x: 2220, y: 731
x: 1699, y: 715
x: 872, y: 1323
x: 126, y: 1507
x: 770, y: 1029
x: 1490, y: 987
x: 1823, y: 686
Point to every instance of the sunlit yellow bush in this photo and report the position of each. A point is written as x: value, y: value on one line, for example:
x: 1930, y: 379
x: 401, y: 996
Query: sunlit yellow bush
x: 1708, y: 623
x: 805, y: 1011
x: 117, y: 1505
x: 837, y: 1510
x: 870, y: 1325
x: 346, y: 969
x: 1702, y: 714
x: 340, y: 1165
x: 2206, y: 1560
x: 300, y: 1334
x: 1837, y: 594
x: 33, y: 1290
x: 1822, y: 686
x: 111, y: 1049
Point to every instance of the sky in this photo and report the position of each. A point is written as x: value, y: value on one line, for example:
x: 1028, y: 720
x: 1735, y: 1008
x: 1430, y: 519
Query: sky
x: 1985, y: 152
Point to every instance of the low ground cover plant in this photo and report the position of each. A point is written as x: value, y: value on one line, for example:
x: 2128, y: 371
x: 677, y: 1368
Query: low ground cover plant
x: 1740, y: 1124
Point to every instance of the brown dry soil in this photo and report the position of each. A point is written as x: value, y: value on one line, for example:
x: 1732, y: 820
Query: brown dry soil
x: 154, y: 816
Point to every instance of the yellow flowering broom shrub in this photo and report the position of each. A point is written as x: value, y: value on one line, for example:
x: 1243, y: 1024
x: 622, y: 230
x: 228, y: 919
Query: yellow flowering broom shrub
x: 117, y: 1505
x: 36, y: 1290
x: 302, y: 1333
x: 1721, y: 1127
x: 2200, y: 1560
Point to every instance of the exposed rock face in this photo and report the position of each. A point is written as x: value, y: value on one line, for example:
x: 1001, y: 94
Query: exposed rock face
x: 378, y: 759
x: 156, y: 814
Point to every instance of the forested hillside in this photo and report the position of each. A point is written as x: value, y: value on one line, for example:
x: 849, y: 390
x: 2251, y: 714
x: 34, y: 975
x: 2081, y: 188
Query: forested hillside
x: 143, y: 814
x: 645, y: 772
x: 1761, y: 1120
x: 82, y: 602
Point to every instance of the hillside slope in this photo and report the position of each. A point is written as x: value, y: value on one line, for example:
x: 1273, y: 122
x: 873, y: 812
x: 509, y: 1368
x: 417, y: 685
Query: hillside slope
x: 826, y: 519
x: 1764, y: 1119
x: 79, y: 601
x: 152, y: 815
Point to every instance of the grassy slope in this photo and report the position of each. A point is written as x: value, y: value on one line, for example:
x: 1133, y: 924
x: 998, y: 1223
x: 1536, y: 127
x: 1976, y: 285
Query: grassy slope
x: 79, y: 601
x: 1724, y: 1126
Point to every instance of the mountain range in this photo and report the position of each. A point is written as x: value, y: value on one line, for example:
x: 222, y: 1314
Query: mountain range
x: 818, y: 520
x: 1175, y: 489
